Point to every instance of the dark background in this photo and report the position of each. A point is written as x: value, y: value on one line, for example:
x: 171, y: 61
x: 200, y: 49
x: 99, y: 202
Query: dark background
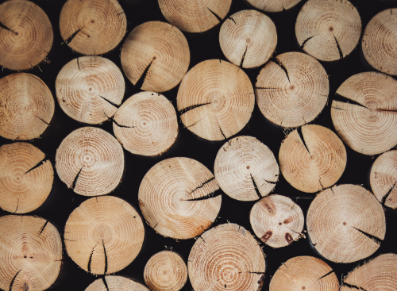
x: 63, y: 201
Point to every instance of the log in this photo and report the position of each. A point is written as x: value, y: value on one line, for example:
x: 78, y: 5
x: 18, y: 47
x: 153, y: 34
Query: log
x: 90, y: 161
x: 292, y: 90
x: 165, y: 271
x: 119, y: 283
x: 304, y: 273
x: 226, y: 257
x: 104, y: 235
x: 26, y: 106
x: 380, y: 274
x: 248, y: 38
x: 273, y: 5
x: 215, y: 100
x: 26, y: 177
x: 30, y: 253
x: 277, y: 220
x: 379, y: 39
x: 178, y: 198
x: 92, y: 27
x: 383, y: 179
x: 146, y: 124
x: 246, y: 169
x: 312, y: 158
x: 90, y: 89
x: 194, y: 15
x: 156, y: 54
x: 346, y: 223
x: 328, y: 30
x: 364, y: 113
x: 26, y: 35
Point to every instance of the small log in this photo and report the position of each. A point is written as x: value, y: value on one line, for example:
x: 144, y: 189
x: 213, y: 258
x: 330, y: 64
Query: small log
x: 304, y: 273
x: 377, y: 275
x: 194, y: 15
x: 346, y: 223
x: 312, y: 158
x: 383, y: 179
x: 292, y: 90
x: 26, y: 106
x: 165, y: 271
x: 104, y: 235
x: 248, y: 38
x: 92, y: 27
x: 157, y: 54
x: 30, y: 253
x: 364, y: 112
x: 215, y: 100
x: 26, y: 177
x: 246, y: 169
x: 226, y: 257
x: 178, y: 198
x: 90, y: 161
x: 379, y: 39
x: 328, y: 30
x: 146, y: 124
x: 277, y: 220
x: 90, y: 89
x: 273, y: 5
x: 26, y: 35
x: 115, y: 283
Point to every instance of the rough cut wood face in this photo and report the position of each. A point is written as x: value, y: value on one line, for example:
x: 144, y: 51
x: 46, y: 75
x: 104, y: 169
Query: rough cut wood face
x: 104, y: 235
x: 328, y: 30
x: 89, y: 89
x: 226, y: 257
x: 273, y: 5
x: 158, y: 53
x: 92, y: 27
x: 292, y: 90
x: 27, y: 36
x: 115, y: 283
x: 26, y: 106
x: 346, y: 223
x: 30, y: 253
x: 380, y: 40
x: 304, y: 273
x: 26, y: 177
x: 365, y: 117
x: 195, y: 15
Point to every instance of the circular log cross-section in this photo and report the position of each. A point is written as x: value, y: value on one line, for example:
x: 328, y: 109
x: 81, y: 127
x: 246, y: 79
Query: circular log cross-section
x: 215, y: 100
x: 158, y: 53
x: 90, y: 89
x: 226, y: 258
x: 92, y: 27
x: 26, y: 106
x: 115, y: 283
x: 379, y: 41
x: 146, y: 124
x: 246, y: 169
x: 195, y: 15
x: 346, y: 223
x: 273, y: 5
x: 380, y: 274
x: 383, y: 179
x: 248, y: 38
x: 364, y: 112
x: 90, y: 161
x: 104, y: 235
x: 277, y: 220
x: 165, y: 271
x: 328, y: 30
x: 177, y: 198
x: 30, y: 253
x: 25, y: 177
x: 312, y: 158
x: 304, y: 273
x: 26, y: 35
x: 293, y: 90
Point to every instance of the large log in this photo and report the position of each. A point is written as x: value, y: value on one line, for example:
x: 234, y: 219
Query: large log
x: 115, y: 283
x: 273, y: 5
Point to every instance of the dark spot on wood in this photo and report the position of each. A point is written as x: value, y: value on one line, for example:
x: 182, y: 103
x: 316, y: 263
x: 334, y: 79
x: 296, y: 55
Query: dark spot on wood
x: 267, y: 236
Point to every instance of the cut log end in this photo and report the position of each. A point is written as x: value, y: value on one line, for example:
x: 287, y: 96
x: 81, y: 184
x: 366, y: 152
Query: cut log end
x: 118, y: 283
x: 273, y: 5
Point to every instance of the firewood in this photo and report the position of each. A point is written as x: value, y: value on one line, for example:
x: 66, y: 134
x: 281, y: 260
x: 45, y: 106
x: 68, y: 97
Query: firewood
x: 273, y: 5
x: 115, y: 283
